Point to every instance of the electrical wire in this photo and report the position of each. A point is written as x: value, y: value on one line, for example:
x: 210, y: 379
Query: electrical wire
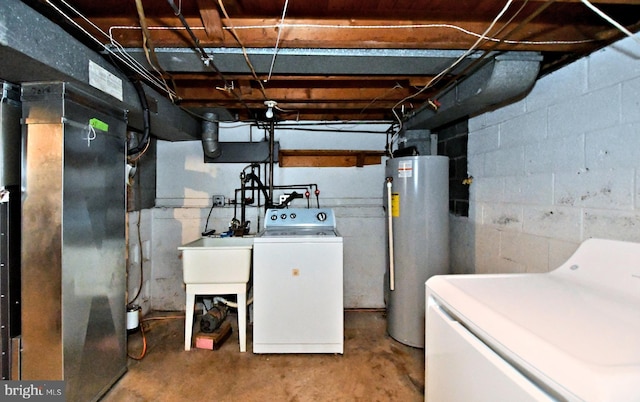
x: 144, y: 346
x: 120, y: 55
x: 206, y: 58
x: 149, y: 48
x: 611, y: 20
x: 275, y: 49
x: 203, y: 53
x: 374, y: 100
x: 145, y: 141
x: 519, y: 27
x: 243, y: 48
x: 455, y: 63
x: 483, y: 59
x: 347, y: 27
x: 144, y: 335
x: 282, y: 25
x: 413, y: 27
x: 206, y: 231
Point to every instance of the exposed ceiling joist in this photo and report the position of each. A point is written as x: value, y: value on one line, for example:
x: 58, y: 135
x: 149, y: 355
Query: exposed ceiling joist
x: 340, y: 59
x: 26, y: 55
x: 356, y: 34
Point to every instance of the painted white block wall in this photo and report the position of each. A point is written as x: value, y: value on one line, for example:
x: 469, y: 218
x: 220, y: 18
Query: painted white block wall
x: 556, y: 168
x: 185, y: 185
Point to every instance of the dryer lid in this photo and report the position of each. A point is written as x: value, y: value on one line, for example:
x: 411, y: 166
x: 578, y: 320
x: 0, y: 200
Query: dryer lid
x: 576, y: 329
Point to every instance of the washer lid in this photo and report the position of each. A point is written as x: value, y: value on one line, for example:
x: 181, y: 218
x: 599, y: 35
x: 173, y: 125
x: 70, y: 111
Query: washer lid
x: 576, y: 329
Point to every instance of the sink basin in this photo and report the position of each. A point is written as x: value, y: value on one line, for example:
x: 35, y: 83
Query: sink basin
x: 217, y: 260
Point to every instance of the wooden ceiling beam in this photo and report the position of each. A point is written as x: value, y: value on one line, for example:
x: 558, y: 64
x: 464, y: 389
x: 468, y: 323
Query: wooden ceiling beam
x: 300, y: 94
x: 360, y: 105
x: 210, y: 18
x: 321, y: 114
x: 178, y: 77
x: 168, y: 32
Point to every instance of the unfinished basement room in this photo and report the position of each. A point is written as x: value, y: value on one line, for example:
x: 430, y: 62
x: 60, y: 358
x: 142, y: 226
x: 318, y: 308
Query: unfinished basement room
x: 329, y: 200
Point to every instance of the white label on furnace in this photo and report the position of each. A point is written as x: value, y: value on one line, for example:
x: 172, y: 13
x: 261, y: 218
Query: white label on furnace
x: 405, y: 169
x: 105, y: 81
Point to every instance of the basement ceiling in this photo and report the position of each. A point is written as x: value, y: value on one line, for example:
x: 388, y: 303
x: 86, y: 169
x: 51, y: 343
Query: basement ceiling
x: 329, y: 60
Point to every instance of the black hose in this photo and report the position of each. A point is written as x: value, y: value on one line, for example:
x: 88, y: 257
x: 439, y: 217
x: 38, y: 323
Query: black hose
x: 146, y: 121
x: 262, y: 187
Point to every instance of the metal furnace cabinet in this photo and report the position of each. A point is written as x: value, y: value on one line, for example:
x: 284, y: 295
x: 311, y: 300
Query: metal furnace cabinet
x: 73, y: 240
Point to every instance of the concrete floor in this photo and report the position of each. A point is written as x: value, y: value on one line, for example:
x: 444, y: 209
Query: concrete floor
x: 374, y: 367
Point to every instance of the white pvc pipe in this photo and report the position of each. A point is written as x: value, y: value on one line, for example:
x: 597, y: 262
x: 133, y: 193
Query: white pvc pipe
x: 226, y: 302
x: 391, y: 257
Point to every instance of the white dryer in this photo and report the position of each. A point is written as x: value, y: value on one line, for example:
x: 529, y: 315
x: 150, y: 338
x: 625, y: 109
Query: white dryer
x: 572, y: 334
x: 298, y: 283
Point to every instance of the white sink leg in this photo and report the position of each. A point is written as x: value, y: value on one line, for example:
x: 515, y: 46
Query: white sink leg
x: 188, y: 318
x: 242, y: 321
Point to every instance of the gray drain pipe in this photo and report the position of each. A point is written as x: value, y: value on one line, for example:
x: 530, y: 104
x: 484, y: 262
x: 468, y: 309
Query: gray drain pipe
x: 210, y: 144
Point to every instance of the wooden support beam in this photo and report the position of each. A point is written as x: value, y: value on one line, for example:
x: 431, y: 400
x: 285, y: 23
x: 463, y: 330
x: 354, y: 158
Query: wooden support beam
x: 335, y: 33
x: 211, y: 19
x: 328, y: 158
x: 310, y: 95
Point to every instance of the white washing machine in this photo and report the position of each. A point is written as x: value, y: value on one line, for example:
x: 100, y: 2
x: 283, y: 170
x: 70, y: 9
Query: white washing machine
x: 572, y: 334
x: 298, y: 283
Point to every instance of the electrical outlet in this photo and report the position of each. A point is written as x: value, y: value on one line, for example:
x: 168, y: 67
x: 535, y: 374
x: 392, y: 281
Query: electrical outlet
x: 218, y: 200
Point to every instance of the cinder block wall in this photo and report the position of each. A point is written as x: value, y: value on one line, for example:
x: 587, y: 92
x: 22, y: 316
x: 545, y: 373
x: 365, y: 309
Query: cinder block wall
x: 558, y: 167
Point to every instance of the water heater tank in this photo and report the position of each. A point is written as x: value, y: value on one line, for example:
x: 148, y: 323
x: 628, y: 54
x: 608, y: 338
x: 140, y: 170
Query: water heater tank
x: 420, y: 240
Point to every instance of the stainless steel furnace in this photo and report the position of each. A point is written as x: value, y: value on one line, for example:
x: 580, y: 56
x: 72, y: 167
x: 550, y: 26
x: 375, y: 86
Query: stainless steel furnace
x: 73, y: 240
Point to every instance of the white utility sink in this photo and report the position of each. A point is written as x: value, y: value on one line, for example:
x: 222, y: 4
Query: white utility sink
x: 217, y: 260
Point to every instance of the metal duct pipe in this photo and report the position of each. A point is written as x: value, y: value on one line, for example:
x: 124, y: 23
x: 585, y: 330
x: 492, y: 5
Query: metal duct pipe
x: 210, y: 144
x: 505, y: 78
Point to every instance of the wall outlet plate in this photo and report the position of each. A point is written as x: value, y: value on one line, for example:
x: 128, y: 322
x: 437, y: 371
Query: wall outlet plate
x: 218, y: 200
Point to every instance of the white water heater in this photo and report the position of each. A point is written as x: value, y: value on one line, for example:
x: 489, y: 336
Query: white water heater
x: 417, y: 206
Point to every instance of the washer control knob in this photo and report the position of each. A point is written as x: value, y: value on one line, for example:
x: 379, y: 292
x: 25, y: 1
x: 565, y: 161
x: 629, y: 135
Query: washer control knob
x: 283, y: 216
x: 293, y: 215
x: 274, y: 217
x: 322, y: 216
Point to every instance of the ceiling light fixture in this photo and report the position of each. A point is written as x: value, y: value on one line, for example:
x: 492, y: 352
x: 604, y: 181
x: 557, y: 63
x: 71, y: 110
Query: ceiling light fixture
x: 270, y: 105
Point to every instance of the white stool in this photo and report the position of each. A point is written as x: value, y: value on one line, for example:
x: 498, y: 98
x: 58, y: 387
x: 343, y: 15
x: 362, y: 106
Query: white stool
x: 194, y: 289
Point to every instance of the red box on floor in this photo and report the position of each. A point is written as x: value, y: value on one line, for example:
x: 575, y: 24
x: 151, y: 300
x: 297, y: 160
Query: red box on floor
x: 213, y: 340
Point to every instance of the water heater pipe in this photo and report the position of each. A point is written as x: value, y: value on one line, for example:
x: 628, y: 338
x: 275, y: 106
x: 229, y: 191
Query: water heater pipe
x: 390, y: 219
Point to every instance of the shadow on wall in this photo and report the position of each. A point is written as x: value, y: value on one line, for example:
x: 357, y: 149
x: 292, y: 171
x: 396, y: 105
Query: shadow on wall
x: 177, y: 219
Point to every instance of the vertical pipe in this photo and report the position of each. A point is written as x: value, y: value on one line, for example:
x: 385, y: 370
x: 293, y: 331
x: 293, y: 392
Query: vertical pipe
x: 271, y: 150
x: 390, y: 219
x: 210, y: 144
x: 243, y: 198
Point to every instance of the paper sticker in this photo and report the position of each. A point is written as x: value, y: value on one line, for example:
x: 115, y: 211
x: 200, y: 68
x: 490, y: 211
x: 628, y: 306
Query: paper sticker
x: 405, y: 169
x: 395, y: 205
x: 105, y: 81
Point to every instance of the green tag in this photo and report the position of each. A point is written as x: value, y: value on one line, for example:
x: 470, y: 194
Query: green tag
x: 99, y: 124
